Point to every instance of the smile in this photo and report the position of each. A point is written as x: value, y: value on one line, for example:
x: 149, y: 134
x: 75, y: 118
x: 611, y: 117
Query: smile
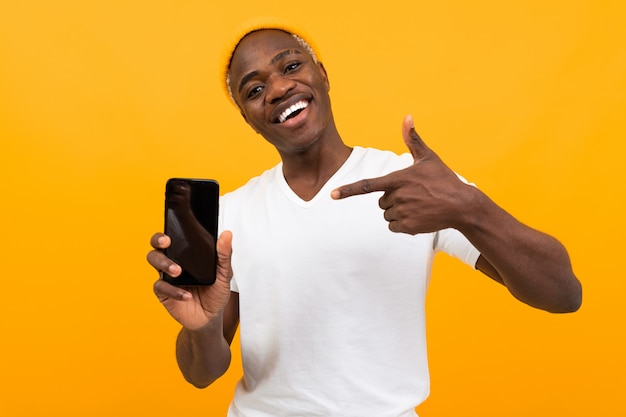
x: 293, y: 110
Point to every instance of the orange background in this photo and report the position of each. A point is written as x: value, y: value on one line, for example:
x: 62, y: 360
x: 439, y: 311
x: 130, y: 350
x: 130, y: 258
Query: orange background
x: 101, y: 101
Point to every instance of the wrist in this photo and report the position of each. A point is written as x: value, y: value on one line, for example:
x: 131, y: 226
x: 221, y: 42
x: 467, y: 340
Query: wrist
x: 475, y: 207
x: 212, y: 324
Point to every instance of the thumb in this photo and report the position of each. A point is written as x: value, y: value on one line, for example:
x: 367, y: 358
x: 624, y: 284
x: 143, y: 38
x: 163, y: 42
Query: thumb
x: 224, y: 253
x: 225, y: 245
x: 412, y: 140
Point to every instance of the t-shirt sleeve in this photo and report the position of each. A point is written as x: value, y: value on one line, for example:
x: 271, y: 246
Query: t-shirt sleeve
x: 233, y: 285
x: 455, y: 244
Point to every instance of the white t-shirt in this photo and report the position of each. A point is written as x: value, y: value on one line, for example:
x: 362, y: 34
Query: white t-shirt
x: 331, y: 301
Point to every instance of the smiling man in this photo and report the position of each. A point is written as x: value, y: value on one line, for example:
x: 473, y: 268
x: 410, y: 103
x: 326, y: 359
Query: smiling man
x: 325, y: 258
x: 282, y: 92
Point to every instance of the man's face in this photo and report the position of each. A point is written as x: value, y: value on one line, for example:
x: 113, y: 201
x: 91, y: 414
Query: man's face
x: 281, y: 91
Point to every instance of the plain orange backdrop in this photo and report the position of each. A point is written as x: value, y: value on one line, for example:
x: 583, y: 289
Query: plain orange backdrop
x: 101, y: 101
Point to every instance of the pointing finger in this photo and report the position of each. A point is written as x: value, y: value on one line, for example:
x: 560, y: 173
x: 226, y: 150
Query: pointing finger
x: 361, y: 187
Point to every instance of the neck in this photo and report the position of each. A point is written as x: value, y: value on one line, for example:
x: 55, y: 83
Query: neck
x: 306, y: 172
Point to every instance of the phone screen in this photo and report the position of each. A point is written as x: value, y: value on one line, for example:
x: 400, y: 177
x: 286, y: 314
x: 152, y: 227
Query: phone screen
x: 191, y: 210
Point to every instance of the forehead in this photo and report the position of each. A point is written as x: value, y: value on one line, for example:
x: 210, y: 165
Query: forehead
x: 258, y: 48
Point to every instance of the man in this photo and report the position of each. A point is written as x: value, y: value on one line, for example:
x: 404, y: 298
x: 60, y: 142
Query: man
x: 330, y: 253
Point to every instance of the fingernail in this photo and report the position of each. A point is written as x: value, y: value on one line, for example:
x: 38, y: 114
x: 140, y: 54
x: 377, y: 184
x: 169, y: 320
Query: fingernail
x: 173, y: 269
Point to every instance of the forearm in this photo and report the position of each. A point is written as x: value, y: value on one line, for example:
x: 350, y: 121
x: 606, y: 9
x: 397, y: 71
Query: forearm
x: 203, y: 355
x: 534, y: 266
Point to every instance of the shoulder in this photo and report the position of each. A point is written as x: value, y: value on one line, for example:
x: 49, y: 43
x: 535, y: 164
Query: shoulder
x: 385, y: 161
x: 381, y: 162
x: 255, y: 186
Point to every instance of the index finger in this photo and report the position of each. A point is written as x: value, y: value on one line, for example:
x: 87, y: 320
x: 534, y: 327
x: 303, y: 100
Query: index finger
x: 365, y: 186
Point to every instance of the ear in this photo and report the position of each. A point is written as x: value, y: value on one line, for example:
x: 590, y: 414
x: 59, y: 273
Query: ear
x: 324, y: 75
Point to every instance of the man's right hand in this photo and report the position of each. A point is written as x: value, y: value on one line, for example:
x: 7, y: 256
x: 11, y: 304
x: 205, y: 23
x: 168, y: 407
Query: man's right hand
x: 193, y: 307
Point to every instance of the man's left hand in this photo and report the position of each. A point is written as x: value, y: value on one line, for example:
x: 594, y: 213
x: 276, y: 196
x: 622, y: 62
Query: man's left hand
x: 424, y: 197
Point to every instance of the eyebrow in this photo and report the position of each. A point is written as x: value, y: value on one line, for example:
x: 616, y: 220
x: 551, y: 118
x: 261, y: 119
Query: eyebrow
x: 283, y: 54
x: 274, y: 60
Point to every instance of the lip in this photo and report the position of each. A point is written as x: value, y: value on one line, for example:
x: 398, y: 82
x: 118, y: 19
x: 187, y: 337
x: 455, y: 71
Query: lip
x: 295, y: 121
x: 280, y: 108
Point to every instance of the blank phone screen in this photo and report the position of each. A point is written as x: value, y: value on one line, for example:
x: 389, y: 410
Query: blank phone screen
x: 191, y: 210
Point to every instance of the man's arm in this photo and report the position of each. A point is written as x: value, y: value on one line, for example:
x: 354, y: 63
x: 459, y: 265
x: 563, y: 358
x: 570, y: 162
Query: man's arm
x: 534, y: 266
x: 209, y: 314
x: 428, y: 196
x: 204, y: 355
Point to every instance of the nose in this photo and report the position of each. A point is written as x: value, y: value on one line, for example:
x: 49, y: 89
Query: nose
x: 277, y: 87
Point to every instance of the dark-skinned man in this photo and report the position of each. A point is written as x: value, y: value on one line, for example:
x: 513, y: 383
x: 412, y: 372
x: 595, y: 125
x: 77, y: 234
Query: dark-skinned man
x: 324, y: 259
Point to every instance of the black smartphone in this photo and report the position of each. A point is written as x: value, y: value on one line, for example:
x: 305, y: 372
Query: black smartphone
x: 191, y: 210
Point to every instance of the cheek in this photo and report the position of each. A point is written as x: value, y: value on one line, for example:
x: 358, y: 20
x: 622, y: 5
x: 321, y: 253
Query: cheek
x: 252, y: 117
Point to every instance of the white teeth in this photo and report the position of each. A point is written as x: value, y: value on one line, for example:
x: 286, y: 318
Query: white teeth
x: 294, y: 107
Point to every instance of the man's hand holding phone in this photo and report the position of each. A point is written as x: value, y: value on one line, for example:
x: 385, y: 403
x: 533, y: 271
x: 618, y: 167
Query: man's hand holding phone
x: 192, y: 306
x: 195, y: 269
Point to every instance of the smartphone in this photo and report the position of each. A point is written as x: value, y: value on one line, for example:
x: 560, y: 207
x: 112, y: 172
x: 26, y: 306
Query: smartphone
x: 191, y: 211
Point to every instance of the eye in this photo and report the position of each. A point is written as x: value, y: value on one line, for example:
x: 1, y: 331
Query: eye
x: 292, y: 66
x: 254, y: 91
